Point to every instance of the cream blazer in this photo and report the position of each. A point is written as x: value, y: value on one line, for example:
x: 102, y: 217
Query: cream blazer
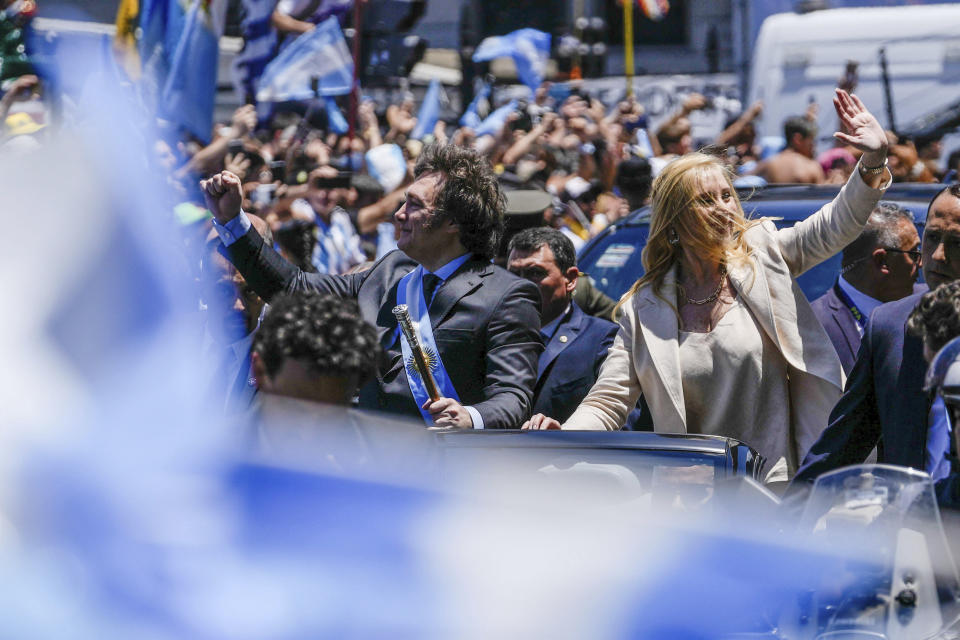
x: 645, y: 356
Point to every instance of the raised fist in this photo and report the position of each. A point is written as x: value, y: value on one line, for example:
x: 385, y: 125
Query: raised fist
x: 223, y: 195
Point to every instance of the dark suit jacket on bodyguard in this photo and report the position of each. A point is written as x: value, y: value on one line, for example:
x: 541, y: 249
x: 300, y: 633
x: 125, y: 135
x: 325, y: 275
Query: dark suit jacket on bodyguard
x: 840, y: 325
x: 571, y: 362
x: 485, y: 321
x: 883, y: 403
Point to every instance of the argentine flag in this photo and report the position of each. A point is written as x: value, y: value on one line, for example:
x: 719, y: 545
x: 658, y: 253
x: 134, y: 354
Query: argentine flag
x: 471, y: 117
x: 495, y: 121
x: 322, y: 54
x: 188, y: 93
x: 529, y: 48
x: 429, y: 111
x: 259, y: 45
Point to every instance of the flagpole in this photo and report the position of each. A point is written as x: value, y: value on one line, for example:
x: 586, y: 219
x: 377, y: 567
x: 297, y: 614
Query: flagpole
x: 576, y: 71
x: 628, y: 44
x: 355, y: 87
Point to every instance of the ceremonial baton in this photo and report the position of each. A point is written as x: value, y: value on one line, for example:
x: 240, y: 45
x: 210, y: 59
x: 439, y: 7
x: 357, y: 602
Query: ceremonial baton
x: 419, y: 358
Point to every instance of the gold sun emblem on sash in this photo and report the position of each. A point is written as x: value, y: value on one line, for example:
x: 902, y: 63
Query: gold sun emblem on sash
x: 432, y: 361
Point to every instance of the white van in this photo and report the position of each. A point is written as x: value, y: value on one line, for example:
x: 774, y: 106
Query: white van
x: 799, y: 58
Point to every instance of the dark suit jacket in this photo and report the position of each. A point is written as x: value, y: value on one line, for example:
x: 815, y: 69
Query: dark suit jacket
x: 883, y: 403
x: 839, y: 325
x: 485, y: 320
x: 571, y: 362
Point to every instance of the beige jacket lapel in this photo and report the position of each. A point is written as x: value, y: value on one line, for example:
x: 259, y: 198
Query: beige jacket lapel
x: 752, y: 287
x: 784, y: 314
x: 659, y: 328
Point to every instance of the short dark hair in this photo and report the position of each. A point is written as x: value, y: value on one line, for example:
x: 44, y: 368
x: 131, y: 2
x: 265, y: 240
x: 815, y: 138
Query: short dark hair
x: 530, y: 240
x: 952, y: 189
x: 673, y: 132
x: 798, y: 124
x: 469, y: 195
x: 936, y: 318
x: 324, y: 332
x: 298, y: 239
x: 953, y: 160
x: 880, y: 231
x: 634, y: 179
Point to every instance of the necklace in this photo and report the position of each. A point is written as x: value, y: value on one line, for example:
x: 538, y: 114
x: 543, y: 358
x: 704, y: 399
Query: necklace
x: 713, y: 296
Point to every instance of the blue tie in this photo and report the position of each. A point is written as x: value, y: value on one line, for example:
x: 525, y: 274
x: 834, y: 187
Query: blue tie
x: 430, y: 283
x: 938, y: 441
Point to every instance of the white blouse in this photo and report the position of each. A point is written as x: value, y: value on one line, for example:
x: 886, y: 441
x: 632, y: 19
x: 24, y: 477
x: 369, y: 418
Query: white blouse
x: 735, y: 384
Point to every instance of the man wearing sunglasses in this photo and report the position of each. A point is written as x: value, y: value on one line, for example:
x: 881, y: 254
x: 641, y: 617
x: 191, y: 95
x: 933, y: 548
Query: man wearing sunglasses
x: 883, y: 404
x: 880, y: 266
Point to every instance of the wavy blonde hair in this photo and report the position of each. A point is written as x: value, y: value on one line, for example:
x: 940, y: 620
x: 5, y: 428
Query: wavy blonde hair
x: 701, y: 224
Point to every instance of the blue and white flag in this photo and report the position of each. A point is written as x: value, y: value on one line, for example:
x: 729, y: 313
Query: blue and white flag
x: 529, y: 48
x: 161, y: 23
x: 335, y: 120
x: 321, y: 10
x: 328, y: 8
x: 259, y: 45
x: 188, y: 93
x: 322, y: 54
x: 471, y: 117
x: 429, y: 111
x: 410, y: 293
x: 495, y: 121
x: 386, y: 164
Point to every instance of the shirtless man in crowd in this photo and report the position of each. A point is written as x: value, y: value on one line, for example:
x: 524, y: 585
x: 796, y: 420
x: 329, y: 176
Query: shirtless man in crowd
x: 795, y: 164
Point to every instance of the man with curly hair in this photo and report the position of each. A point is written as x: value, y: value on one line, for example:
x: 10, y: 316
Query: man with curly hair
x: 484, y: 321
x: 310, y: 354
x: 936, y: 321
x: 314, y: 346
x: 936, y: 318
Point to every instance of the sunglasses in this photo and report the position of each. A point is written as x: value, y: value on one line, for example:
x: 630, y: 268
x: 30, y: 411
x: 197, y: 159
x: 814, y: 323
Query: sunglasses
x: 913, y: 253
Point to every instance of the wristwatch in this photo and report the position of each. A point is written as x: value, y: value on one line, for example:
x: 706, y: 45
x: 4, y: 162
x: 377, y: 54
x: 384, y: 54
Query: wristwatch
x: 872, y: 171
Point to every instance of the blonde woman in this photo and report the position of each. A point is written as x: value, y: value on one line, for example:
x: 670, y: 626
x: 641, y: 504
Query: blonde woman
x: 717, y: 335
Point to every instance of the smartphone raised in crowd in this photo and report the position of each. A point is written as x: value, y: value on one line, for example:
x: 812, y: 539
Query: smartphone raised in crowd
x: 340, y: 181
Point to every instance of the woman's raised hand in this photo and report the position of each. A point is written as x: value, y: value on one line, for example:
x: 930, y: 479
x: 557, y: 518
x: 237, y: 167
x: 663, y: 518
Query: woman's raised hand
x: 860, y: 128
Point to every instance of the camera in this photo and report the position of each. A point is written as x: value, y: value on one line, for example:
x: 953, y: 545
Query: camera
x: 235, y: 147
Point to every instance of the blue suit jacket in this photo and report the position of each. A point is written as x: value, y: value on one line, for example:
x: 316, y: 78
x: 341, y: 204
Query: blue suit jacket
x: 570, y: 363
x: 883, y: 403
x: 840, y: 325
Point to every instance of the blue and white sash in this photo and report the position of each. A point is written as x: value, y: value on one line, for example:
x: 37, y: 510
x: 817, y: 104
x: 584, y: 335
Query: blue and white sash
x: 410, y: 293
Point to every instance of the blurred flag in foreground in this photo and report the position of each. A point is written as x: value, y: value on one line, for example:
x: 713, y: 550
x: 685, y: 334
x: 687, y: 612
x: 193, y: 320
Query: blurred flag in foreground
x: 259, y: 45
x: 190, y: 87
x: 529, y: 48
x: 495, y: 121
x: 656, y: 10
x: 321, y: 54
x: 471, y: 117
x: 429, y: 111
